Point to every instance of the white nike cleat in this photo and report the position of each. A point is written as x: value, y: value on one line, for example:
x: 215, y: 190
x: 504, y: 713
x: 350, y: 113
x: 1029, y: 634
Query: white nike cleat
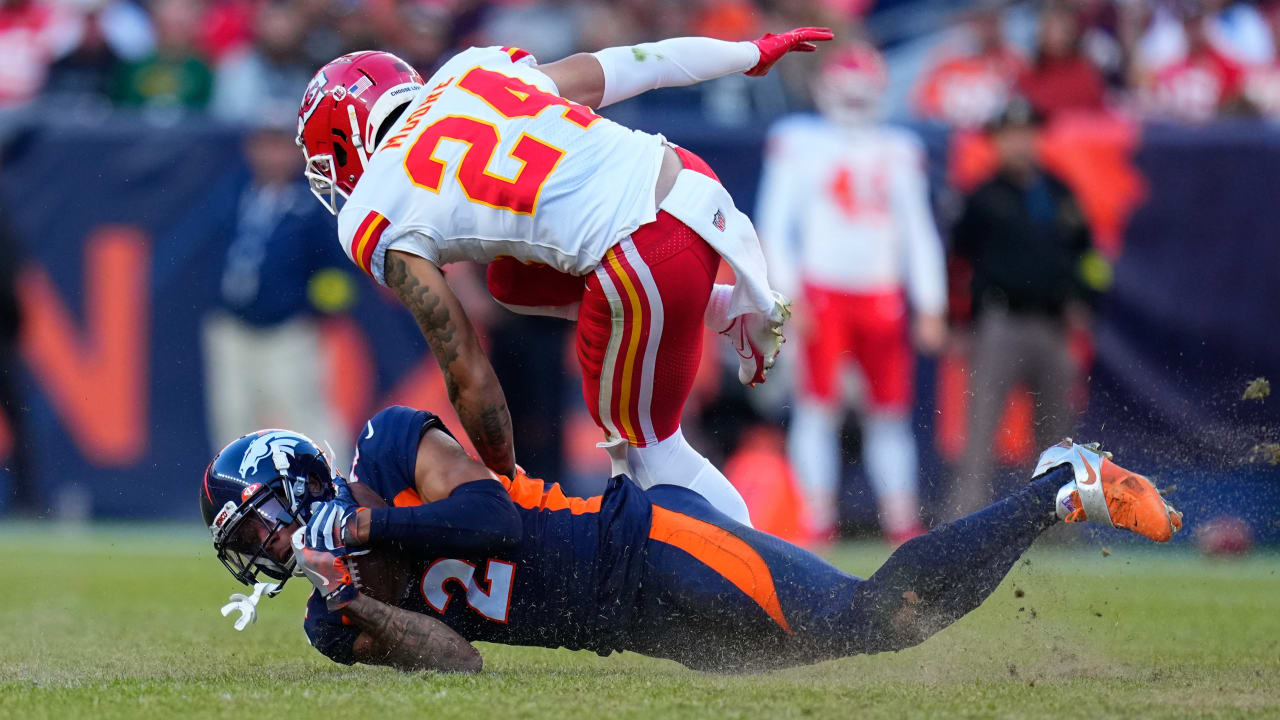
x: 757, y: 338
x: 1107, y: 494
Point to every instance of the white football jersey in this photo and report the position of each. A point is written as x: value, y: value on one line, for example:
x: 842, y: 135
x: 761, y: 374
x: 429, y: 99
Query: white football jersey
x: 847, y: 209
x: 487, y: 161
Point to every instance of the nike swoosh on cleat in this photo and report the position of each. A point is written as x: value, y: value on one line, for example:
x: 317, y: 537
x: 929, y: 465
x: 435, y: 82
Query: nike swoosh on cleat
x: 1093, y: 476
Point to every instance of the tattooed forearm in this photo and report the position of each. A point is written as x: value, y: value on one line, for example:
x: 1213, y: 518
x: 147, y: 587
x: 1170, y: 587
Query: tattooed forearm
x: 407, y: 640
x: 469, y: 379
x: 435, y: 321
x: 494, y: 423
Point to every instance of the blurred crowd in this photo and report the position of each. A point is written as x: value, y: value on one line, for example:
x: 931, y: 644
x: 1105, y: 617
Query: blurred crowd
x: 243, y: 60
x: 1189, y: 60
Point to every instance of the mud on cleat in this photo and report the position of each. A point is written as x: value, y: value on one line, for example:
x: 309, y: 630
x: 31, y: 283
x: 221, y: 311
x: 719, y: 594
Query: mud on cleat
x: 1107, y: 494
x: 757, y: 338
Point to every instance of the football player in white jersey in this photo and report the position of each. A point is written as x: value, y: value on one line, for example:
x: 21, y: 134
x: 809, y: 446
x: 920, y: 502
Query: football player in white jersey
x: 500, y: 160
x: 844, y: 216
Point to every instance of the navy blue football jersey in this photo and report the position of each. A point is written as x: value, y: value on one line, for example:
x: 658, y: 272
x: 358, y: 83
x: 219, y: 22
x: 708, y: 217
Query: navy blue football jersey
x: 569, y: 582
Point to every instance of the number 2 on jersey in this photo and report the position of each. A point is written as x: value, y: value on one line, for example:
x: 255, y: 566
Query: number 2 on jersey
x: 511, y: 98
x: 494, y: 603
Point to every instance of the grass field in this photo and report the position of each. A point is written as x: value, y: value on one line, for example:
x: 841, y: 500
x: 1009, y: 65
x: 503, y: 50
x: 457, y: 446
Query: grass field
x: 116, y: 622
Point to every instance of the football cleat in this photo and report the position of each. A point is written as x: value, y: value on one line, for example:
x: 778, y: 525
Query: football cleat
x: 757, y: 338
x: 1107, y: 494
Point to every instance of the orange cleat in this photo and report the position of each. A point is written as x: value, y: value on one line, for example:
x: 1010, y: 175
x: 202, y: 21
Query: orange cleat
x: 1107, y: 494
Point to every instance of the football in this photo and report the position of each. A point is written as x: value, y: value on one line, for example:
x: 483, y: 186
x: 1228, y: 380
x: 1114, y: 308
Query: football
x: 383, y: 574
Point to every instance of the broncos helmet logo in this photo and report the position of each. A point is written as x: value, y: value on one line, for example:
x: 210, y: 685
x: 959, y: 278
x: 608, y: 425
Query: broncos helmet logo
x: 279, y: 445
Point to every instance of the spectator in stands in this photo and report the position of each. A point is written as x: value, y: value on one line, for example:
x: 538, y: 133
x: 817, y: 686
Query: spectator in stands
x: 1024, y: 235
x: 726, y: 20
x: 33, y: 34
x: 109, y: 33
x: 227, y: 26
x: 1200, y: 82
x: 1060, y: 77
x: 1108, y: 32
x: 264, y: 361
x: 547, y: 29
x: 1262, y: 82
x: 264, y: 78
x: 1236, y: 30
x: 23, y: 498
x: 968, y: 87
x: 174, y: 76
x: 423, y: 37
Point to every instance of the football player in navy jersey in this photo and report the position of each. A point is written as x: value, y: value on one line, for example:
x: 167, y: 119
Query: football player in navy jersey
x: 479, y: 556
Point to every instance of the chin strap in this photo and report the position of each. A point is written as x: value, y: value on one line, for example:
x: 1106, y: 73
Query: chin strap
x: 356, y: 139
x: 248, y: 604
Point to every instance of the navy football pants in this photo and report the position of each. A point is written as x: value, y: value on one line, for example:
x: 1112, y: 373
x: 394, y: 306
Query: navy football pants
x: 717, y: 595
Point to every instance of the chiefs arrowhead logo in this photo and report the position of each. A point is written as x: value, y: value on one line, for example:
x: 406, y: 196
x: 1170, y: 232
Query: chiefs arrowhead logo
x: 311, y: 98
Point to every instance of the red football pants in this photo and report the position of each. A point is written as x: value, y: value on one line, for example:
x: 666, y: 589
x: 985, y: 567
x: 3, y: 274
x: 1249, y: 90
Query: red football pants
x: 640, y: 323
x: 869, y: 329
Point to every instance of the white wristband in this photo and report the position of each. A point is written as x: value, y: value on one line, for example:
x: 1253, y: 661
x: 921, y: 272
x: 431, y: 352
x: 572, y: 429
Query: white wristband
x: 676, y: 62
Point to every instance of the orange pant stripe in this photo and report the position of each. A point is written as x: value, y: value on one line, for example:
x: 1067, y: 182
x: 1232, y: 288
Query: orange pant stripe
x: 723, y: 552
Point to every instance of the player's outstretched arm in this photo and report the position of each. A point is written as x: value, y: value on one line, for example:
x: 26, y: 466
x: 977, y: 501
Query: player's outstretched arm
x: 617, y: 73
x: 407, y: 640
x: 473, y: 386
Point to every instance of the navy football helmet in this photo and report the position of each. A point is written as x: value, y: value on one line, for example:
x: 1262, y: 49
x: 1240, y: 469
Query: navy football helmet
x: 257, y: 486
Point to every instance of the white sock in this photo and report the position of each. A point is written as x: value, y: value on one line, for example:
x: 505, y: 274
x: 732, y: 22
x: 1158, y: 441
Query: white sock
x: 673, y: 461
x: 889, y: 451
x: 717, y: 314
x: 813, y: 448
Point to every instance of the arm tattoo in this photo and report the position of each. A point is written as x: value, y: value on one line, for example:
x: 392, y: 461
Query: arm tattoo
x: 494, y: 423
x: 488, y: 421
x: 433, y: 318
x: 409, y: 641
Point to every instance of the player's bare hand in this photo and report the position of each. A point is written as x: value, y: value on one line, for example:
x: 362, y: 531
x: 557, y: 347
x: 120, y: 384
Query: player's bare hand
x: 774, y: 46
x: 930, y: 333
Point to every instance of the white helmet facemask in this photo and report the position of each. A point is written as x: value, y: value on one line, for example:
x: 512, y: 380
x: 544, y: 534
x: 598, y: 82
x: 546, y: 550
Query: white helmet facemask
x: 320, y: 172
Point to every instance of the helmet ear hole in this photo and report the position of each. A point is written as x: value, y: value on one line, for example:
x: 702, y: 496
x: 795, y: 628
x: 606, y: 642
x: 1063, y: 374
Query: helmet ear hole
x: 389, y: 123
x: 339, y: 152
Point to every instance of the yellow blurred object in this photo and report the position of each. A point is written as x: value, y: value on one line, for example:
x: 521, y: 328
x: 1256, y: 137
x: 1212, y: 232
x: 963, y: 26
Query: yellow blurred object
x: 1096, y: 271
x: 331, y: 291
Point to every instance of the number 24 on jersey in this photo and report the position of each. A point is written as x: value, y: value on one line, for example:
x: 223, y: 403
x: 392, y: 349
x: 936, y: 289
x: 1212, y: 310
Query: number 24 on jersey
x: 511, y: 98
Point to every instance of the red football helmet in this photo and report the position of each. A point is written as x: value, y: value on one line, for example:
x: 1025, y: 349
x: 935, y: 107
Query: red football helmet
x: 344, y: 107
x: 849, y: 87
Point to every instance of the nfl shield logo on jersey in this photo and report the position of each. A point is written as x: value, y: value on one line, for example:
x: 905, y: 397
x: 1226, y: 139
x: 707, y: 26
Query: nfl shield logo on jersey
x: 718, y: 221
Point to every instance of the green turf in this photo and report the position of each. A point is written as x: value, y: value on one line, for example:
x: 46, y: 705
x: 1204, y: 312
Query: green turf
x: 124, y: 623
